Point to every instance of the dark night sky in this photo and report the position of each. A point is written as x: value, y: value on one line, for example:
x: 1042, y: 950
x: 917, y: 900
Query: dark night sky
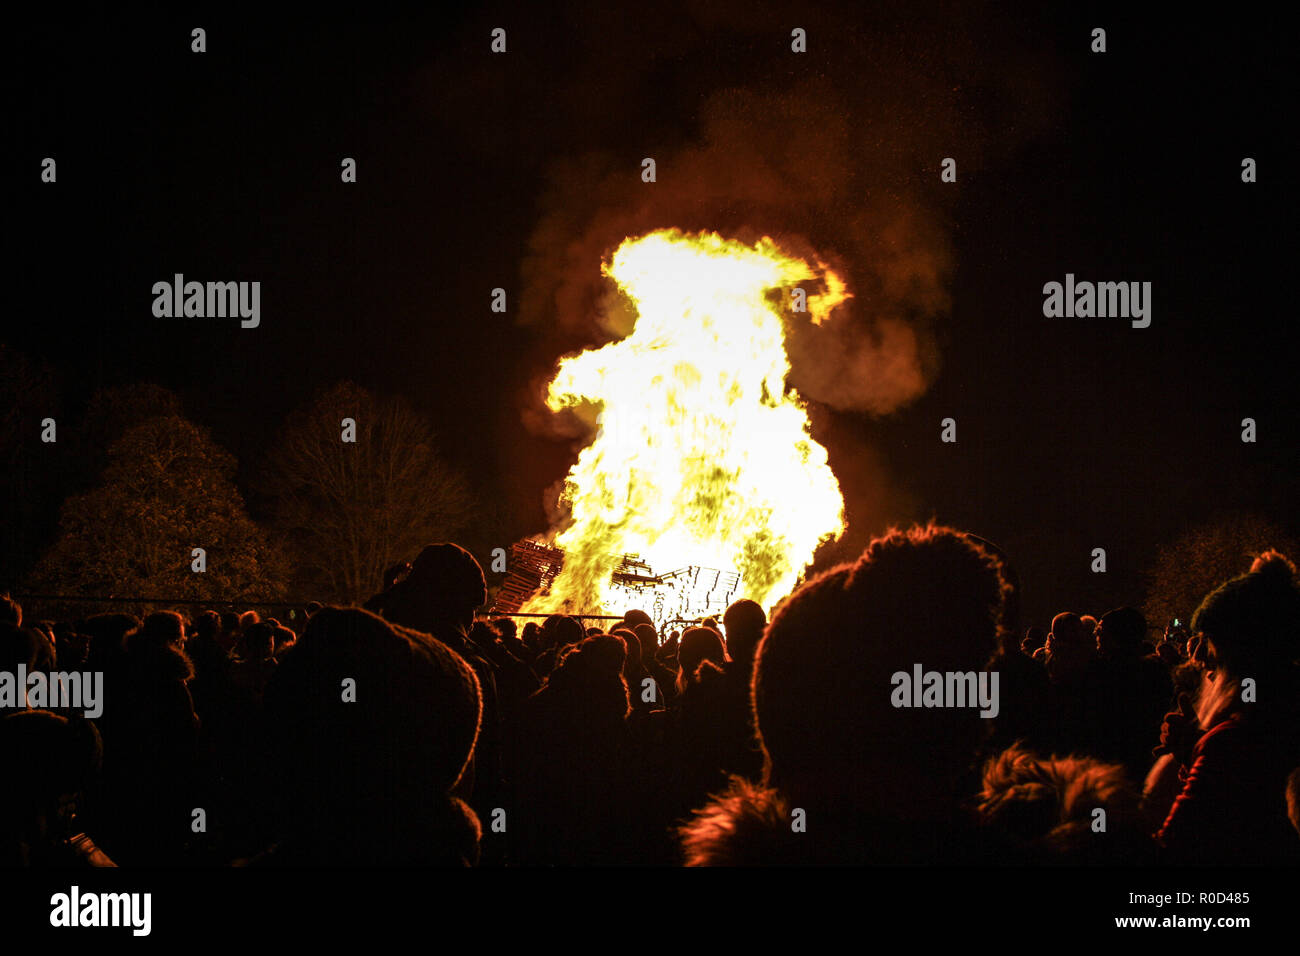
x: 1072, y: 433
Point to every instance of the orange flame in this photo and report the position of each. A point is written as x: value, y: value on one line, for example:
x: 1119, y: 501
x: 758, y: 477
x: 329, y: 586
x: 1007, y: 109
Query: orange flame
x: 702, y: 456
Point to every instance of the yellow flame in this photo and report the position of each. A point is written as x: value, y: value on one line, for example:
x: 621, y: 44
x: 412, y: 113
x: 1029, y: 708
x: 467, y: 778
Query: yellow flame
x: 702, y: 455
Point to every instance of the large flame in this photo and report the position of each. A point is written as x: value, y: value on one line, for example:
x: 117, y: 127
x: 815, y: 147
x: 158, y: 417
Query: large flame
x: 702, y: 456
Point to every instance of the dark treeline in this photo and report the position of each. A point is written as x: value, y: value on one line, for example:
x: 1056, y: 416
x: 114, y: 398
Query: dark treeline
x: 410, y: 730
x: 113, y: 499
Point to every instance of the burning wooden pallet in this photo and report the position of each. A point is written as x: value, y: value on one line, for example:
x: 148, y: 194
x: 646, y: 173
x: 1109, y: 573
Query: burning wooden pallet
x: 690, y: 590
x: 532, y: 568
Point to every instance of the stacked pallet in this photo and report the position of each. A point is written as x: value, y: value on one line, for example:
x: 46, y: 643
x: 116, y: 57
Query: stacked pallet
x: 532, y: 568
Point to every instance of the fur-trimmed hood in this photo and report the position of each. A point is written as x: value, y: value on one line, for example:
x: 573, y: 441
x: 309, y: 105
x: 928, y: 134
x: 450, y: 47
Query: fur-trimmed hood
x: 753, y: 825
x: 748, y: 825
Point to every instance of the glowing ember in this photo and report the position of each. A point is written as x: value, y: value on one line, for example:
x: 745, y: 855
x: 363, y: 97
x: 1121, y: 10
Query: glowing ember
x: 702, y: 459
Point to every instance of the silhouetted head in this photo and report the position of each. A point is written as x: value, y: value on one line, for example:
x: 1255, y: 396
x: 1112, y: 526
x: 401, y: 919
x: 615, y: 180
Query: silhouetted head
x: 1252, y: 622
x: 698, y: 644
x: 160, y: 630
x: 589, y: 678
x: 208, y: 625
x: 444, y: 588
x: 826, y: 676
x: 259, y: 642
x: 560, y: 630
x: 484, y: 633
x: 1070, y: 645
x: 1044, y: 806
x: 373, y: 724
x: 1035, y: 638
x: 454, y: 572
x: 744, y: 623
x: 107, y: 638
x: 158, y: 646
x: 649, y: 639
x: 633, y: 644
x: 1120, y: 632
x: 608, y: 650
x: 20, y: 645
x: 634, y: 618
x: 1066, y: 627
x: 70, y: 646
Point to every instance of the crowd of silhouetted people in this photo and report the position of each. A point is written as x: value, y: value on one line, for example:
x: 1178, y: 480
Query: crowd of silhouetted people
x: 417, y: 731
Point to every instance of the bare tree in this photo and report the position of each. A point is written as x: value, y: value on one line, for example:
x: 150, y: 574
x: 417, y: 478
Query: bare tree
x: 351, y: 508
